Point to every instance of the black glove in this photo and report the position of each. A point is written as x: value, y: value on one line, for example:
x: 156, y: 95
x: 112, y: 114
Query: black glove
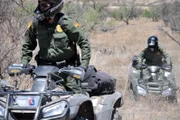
x: 27, y: 68
x: 141, y: 66
x: 137, y: 66
x: 166, y: 67
x: 144, y: 66
x: 135, y: 59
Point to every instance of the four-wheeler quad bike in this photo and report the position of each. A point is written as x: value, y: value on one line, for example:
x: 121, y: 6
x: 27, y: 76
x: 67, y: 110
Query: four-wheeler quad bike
x: 48, y: 100
x: 158, y: 80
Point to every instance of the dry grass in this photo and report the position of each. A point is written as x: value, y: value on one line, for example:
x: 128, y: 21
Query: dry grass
x: 112, y: 52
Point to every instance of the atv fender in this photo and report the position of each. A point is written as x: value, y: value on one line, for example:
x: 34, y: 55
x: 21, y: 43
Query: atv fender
x: 76, y: 101
x: 105, y: 104
x: 133, y: 76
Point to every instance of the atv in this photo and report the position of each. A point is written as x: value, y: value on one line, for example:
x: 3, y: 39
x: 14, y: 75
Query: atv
x: 159, y: 80
x: 48, y: 100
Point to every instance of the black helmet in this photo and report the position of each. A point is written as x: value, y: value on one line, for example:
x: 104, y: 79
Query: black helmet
x: 55, y: 7
x: 152, y: 42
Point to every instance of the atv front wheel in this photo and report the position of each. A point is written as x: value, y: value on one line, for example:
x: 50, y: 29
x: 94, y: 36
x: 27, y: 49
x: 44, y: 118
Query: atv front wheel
x: 172, y: 99
x: 115, y: 115
x: 133, y: 93
x: 85, y: 112
x: 81, y: 118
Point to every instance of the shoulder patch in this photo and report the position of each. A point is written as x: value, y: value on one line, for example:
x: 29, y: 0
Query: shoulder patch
x: 29, y: 25
x: 58, y: 28
x: 76, y: 24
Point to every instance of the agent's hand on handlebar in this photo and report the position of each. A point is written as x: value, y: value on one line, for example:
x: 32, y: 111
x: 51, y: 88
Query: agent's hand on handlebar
x: 83, y: 67
x: 27, y: 68
x: 166, y: 67
x: 141, y: 66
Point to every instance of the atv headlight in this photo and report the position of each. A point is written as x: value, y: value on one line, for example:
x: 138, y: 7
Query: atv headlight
x: 167, y: 92
x: 55, y: 109
x: 1, y: 111
x: 166, y: 74
x: 141, y: 91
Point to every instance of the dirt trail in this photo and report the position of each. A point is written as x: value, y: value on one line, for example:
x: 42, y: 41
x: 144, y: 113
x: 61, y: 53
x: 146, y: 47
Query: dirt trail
x: 112, y: 52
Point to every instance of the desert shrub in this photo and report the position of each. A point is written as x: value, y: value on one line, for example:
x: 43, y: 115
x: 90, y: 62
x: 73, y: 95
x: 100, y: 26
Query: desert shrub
x: 170, y: 15
x: 13, y: 23
x: 137, y: 12
x: 147, y: 13
x: 125, y: 12
x: 155, y: 11
x: 27, y: 9
x: 108, y: 25
x: 90, y: 18
x: 85, y: 14
x: 72, y: 10
x: 116, y: 14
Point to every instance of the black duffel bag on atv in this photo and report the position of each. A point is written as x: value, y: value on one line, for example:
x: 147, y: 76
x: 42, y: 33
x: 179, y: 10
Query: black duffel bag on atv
x: 98, y: 82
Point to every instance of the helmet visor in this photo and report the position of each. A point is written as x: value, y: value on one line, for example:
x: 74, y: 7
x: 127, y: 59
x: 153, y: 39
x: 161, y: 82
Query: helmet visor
x: 44, y: 6
x: 152, y: 43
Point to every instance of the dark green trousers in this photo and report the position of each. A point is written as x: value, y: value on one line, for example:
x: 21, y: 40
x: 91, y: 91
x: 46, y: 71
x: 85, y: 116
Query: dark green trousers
x: 71, y: 84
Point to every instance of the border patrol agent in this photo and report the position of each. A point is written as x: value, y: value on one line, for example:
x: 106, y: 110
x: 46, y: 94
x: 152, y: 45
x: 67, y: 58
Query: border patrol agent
x: 152, y: 55
x: 57, y: 35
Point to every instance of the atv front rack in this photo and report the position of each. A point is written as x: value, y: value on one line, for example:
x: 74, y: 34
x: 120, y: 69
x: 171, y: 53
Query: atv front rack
x: 37, y: 109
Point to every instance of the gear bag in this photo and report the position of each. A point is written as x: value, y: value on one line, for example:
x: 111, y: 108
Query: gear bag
x: 98, y: 82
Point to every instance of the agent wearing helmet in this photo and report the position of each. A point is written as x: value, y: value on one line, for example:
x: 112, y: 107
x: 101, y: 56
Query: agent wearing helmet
x: 57, y: 35
x: 153, y: 54
x: 46, y: 9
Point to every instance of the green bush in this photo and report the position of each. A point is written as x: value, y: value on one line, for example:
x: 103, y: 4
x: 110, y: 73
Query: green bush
x: 116, y: 14
x: 27, y: 9
x: 86, y: 15
x: 147, y: 13
x: 125, y: 12
x: 30, y: 7
x: 90, y: 18
x: 72, y: 10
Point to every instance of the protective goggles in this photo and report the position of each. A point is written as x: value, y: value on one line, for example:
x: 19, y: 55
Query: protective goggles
x: 45, y: 5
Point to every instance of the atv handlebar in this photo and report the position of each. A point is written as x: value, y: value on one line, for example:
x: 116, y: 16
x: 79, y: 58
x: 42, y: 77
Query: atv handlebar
x: 141, y: 66
x: 165, y: 67
x: 18, y: 69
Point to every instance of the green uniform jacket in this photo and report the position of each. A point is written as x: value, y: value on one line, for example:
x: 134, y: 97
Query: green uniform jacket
x: 57, y: 41
x: 154, y: 58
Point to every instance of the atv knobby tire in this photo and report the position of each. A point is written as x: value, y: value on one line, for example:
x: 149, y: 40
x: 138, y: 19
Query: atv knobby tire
x: 115, y: 115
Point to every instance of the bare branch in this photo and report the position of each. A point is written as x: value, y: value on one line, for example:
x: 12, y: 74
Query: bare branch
x: 172, y: 38
x: 21, y: 4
